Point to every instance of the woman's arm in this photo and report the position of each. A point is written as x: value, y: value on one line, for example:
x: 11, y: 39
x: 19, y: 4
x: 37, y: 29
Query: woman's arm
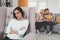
x: 38, y: 18
x: 23, y: 29
x: 8, y: 29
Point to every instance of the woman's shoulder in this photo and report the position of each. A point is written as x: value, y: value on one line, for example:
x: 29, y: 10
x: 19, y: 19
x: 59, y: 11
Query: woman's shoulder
x: 26, y: 20
x: 12, y: 20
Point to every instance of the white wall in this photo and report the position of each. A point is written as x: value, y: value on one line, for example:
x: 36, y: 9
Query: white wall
x: 53, y: 5
x: 15, y: 3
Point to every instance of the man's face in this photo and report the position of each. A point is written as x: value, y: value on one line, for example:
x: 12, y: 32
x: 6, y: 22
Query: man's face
x: 47, y: 11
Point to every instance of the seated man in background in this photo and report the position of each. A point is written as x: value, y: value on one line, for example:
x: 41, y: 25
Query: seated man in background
x: 48, y: 16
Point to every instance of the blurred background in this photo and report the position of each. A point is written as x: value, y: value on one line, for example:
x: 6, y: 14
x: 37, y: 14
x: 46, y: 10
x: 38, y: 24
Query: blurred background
x: 53, y: 5
x: 31, y: 8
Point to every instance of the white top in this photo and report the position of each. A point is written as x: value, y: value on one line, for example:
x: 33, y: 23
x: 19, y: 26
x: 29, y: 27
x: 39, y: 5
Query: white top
x: 17, y: 25
x: 40, y: 17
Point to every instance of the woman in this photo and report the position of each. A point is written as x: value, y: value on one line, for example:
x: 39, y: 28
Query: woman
x: 17, y: 26
x: 39, y: 21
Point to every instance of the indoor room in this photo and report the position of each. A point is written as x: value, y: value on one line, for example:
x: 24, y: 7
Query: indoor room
x: 33, y: 25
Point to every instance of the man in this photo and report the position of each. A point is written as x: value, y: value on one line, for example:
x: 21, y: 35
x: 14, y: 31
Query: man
x: 48, y: 21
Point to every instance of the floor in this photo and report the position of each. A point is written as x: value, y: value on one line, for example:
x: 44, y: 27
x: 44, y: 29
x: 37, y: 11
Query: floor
x: 41, y: 36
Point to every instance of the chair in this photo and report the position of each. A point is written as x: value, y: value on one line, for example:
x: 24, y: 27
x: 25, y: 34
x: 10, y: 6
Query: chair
x: 9, y: 16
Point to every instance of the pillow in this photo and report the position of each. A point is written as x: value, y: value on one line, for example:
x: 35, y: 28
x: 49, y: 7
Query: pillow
x: 49, y: 17
x: 58, y: 19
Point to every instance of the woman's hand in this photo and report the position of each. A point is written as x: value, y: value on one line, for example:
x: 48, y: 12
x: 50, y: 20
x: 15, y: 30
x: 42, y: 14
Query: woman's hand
x: 22, y: 28
x: 14, y: 32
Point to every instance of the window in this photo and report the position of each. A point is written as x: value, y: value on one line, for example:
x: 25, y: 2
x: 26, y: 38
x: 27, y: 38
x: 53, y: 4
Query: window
x: 41, y: 5
x: 32, y: 4
x: 8, y: 3
x: 36, y: 3
x: 0, y: 3
x: 32, y: 0
x: 5, y: 3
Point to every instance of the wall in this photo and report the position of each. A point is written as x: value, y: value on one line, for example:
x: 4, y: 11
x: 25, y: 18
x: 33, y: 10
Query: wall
x: 53, y: 5
x: 15, y: 3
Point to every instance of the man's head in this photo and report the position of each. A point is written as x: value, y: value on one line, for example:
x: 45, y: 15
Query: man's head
x: 46, y: 10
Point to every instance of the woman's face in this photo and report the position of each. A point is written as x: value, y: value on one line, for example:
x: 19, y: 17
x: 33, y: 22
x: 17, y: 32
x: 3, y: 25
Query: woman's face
x: 18, y: 14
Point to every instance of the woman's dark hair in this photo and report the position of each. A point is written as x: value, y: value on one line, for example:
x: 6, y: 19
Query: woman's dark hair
x: 20, y: 10
x: 46, y: 9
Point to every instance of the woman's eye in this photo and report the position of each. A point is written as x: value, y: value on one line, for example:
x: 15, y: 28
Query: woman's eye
x: 17, y: 12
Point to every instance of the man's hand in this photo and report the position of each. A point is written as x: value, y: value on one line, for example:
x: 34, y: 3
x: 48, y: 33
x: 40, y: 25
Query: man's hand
x: 47, y: 20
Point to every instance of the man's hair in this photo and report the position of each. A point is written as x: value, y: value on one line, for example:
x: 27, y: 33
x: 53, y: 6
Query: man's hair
x: 46, y: 9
